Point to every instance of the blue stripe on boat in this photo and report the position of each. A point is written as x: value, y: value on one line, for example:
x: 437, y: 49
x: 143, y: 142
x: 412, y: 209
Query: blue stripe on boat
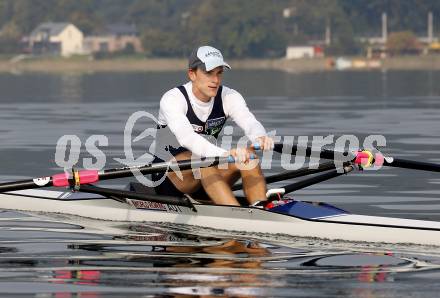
x: 308, y: 210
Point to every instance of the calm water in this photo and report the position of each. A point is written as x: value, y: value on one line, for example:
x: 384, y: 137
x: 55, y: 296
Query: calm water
x: 54, y: 256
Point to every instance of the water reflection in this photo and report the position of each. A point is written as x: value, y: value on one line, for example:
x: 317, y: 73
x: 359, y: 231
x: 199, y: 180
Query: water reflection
x: 160, y: 260
x: 70, y: 88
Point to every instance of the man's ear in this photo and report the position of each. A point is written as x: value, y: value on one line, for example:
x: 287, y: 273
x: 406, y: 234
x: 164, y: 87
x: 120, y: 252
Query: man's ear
x: 192, y: 74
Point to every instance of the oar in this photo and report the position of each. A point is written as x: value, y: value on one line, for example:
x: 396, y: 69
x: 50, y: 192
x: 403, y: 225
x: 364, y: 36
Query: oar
x: 411, y: 164
x: 309, y: 181
x: 324, y: 153
x: 359, y: 157
x: 293, y: 174
x: 91, y: 176
x: 316, y: 179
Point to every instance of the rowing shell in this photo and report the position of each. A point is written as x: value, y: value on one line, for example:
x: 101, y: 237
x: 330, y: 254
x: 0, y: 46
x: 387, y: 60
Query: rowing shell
x: 296, y: 218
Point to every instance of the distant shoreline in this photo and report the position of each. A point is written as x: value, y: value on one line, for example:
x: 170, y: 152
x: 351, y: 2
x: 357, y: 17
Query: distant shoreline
x: 83, y: 65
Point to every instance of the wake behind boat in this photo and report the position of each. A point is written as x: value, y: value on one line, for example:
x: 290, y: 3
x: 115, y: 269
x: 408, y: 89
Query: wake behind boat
x: 282, y: 215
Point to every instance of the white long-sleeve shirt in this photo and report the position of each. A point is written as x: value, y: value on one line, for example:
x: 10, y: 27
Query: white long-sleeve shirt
x: 173, y: 109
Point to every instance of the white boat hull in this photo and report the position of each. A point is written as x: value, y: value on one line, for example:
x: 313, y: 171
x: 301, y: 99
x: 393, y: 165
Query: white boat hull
x: 342, y: 226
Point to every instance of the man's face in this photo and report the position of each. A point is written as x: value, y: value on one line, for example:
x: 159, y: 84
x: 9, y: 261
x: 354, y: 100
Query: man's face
x: 206, y: 83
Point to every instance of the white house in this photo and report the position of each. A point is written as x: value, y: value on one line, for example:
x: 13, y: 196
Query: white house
x: 298, y: 52
x: 63, y: 39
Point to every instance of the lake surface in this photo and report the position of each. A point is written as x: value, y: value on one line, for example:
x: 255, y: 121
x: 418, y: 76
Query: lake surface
x: 53, y: 256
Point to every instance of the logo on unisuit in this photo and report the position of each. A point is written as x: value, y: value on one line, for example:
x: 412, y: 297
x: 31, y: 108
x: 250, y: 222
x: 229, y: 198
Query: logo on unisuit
x: 68, y: 148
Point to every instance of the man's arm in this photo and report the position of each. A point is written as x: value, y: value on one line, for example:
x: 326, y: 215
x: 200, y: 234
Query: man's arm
x: 235, y: 106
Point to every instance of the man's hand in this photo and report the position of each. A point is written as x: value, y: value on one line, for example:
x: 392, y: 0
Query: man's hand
x: 241, y: 155
x: 266, y: 143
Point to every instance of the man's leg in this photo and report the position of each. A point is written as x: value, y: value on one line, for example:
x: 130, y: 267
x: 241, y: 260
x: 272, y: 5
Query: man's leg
x: 217, y: 187
x: 188, y: 184
x: 217, y: 182
x: 254, y: 184
x: 212, y: 181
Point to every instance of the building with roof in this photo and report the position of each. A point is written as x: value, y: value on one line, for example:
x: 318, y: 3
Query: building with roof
x: 304, y: 51
x: 63, y: 39
x: 114, y: 38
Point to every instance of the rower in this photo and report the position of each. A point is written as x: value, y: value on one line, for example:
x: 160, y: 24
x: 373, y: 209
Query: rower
x: 192, y: 113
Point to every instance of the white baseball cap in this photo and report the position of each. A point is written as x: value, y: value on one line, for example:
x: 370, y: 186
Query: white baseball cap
x: 207, y: 58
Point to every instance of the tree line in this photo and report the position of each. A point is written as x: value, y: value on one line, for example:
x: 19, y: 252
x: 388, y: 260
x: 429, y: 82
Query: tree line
x: 241, y: 28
